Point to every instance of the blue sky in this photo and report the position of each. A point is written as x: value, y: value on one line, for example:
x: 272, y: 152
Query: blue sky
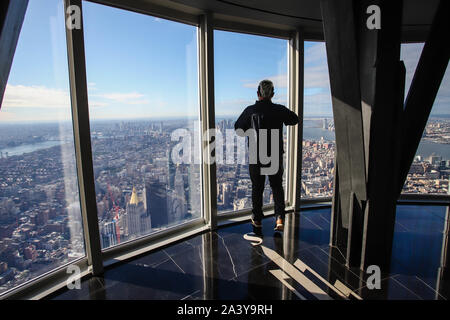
x: 140, y: 66
x: 240, y: 62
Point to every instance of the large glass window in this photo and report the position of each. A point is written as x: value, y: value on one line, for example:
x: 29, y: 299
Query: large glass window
x: 318, y: 125
x: 143, y: 102
x: 429, y: 173
x: 241, y: 61
x: 40, y: 217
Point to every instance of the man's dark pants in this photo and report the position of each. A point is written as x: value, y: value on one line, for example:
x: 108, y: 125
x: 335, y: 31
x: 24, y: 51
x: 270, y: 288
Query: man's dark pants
x: 276, y: 183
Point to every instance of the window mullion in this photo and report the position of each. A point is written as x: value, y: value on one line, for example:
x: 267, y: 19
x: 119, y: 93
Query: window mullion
x: 296, y: 72
x: 206, y: 65
x: 82, y: 138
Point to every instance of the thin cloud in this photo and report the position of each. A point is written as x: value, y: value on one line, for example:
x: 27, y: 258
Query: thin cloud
x: 279, y: 81
x: 92, y: 86
x: 7, y: 116
x: 316, y: 54
x: 317, y: 98
x: 97, y: 104
x: 19, y: 96
x: 317, y: 77
x: 138, y: 102
x: 35, y: 97
x: 132, y: 98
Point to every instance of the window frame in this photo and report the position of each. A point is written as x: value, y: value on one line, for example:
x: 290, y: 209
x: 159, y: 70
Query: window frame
x: 318, y: 200
x: 241, y: 28
x: 199, y: 222
x: 45, y: 283
x: 206, y: 25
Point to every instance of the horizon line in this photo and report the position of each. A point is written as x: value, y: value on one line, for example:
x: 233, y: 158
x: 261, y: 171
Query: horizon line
x: 186, y: 117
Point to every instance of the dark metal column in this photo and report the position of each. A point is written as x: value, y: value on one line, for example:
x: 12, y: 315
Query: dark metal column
x: 210, y: 272
x: 342, y: 53
x: 82, y: 137
x: 376, y: 139
x: 207, y: 118
x: 367, y: 84
x: 382, y: 86
x: 296, y: 87
x: 338, y: 234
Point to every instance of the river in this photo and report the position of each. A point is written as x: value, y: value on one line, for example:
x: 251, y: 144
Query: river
x: 26, y: 148
x: 425, y: 149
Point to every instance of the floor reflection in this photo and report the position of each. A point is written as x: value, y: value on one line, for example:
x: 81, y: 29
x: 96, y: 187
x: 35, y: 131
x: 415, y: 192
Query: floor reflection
x: 295, y: 265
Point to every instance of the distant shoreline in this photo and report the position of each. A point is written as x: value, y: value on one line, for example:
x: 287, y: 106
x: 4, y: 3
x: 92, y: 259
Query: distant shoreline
x: 174, y: 118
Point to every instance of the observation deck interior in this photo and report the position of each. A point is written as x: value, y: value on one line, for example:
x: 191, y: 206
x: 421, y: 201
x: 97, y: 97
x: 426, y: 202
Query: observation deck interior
x: 97, y: 190
x: 223, y: 265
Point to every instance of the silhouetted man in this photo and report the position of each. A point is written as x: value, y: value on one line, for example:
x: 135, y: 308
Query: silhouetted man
x: 264, y: 120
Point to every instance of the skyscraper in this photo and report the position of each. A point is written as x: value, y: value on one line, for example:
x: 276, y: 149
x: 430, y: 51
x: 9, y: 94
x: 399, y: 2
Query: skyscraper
x: 138, y: 220
x: 108, y: 234
x: 156, y: 197
x: 193, y: 194
x: 226, y: 193
x: 178, y: 205
x: 170, y: 170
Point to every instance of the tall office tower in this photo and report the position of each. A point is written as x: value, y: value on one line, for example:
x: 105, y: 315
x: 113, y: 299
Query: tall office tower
x: 123, y: 223
x: 324, y: 124
x: 435, y: 159
x: 144, y: 198
x: 108, y: 234
x: 178, y: 209
x: 157, y: 202
x: 138, y: 220
x: 241, y: 204
x: 194, y: 186
x: 145, y: 218
x: 147, y: 197
x: 170, y: 170
x: 448, y: 191
x: 226, y: 193
x: 161, y: 127
x: 222, y: 126
x: 145, y: 223
x: 74, y: 224
x: 241, y: 192
x: 266, y: 194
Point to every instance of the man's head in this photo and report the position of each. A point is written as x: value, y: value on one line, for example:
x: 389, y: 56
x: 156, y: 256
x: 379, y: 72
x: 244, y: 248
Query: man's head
x: 265, y: 90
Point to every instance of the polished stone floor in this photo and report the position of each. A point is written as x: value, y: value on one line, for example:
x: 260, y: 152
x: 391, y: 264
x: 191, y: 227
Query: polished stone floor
x: 295, y: 265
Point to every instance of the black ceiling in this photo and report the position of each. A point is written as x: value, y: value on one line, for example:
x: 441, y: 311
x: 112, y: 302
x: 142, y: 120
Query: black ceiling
x: 305, y: 14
